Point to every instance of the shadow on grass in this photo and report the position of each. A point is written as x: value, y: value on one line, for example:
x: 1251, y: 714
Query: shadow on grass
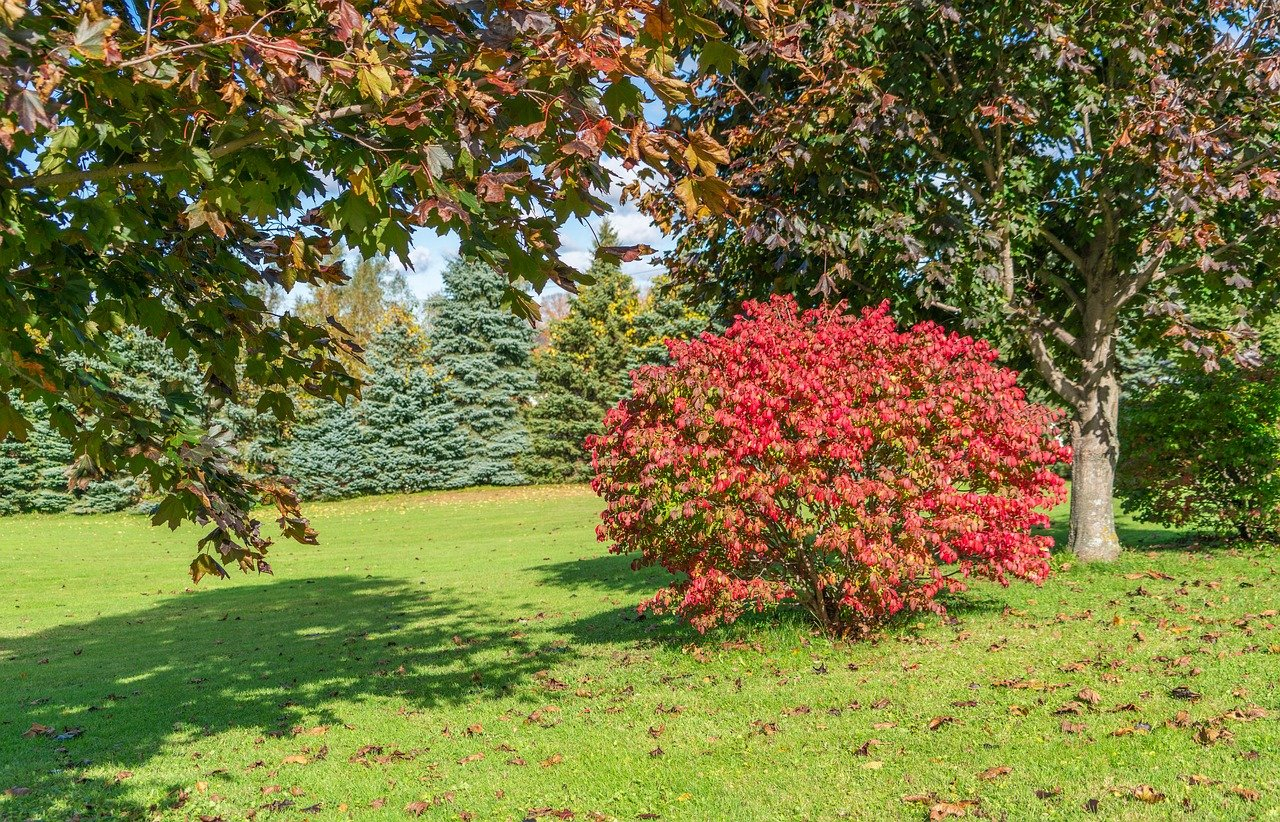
x: 1133, y: 536
x: 260, y: 659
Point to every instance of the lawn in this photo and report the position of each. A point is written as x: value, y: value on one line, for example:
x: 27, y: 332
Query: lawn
x: 477, y: 655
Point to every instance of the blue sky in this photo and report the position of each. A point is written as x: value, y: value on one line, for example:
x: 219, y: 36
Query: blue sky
x: 430, y: 253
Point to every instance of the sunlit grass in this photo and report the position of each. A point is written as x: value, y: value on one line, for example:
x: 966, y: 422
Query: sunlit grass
x: 488, y: 647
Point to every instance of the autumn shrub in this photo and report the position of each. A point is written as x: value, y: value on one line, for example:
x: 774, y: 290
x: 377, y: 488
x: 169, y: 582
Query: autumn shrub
x: 827, y: 459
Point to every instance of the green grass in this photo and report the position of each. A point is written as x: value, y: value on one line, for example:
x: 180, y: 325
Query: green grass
x: 423, y: 616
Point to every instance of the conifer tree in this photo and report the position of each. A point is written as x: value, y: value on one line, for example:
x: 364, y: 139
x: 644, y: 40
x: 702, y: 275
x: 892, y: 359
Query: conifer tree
x: 666, y: 313
x: 482, y: 353
x: 326, y: 454
x: 411, y: 427
x: 33, y: 474
x: 583, y: 371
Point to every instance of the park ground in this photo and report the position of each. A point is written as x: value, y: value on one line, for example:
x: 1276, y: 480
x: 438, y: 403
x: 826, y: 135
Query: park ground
x: 477, y: 655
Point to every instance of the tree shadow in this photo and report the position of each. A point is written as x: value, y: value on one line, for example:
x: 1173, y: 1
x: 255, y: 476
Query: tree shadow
x: 261, y: 659
x: 1133, y: 536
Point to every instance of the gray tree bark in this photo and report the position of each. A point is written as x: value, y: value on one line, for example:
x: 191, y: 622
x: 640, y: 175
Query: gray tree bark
x: 1096, y: 445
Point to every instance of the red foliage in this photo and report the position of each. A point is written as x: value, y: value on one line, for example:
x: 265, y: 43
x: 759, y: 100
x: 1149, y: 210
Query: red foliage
x: 828, y: 459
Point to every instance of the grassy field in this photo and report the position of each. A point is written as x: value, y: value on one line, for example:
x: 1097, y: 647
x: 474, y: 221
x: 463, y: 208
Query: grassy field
x: 476, y: 655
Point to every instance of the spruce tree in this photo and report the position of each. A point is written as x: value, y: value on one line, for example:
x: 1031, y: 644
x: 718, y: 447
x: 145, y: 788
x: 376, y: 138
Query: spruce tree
x: 482, y: 353
x: 583, y: 371
x: 326, y: 454
x: 33, y: 474
x: 411, y: 427
x: 666, y: 313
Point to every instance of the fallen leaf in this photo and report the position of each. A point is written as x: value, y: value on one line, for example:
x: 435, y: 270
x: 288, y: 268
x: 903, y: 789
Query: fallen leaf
x: 469, y: 758
x: 294, y: 759
x: 417, y: 808
x: 946, y: 810
x: 1069, y: 727
x: 554, y: 759
x: 319, y: 730
x: 995, y: 773
x: 938, y: 721
x: 1148, y: 794
x: 1247, y: 794
x: 1089, y: 695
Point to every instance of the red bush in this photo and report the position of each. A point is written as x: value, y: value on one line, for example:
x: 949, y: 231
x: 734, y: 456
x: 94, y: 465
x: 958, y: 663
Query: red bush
x: 828, y: 459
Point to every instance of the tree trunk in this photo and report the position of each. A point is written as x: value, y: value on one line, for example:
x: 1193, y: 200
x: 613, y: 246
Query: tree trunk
x: 1093, y: 470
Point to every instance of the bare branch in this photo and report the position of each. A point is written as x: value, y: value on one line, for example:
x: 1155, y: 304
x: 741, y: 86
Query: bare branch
x: 1062, y: 385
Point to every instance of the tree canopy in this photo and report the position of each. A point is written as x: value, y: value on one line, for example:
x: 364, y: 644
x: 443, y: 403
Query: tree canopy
x: 160, y: 162
x: 1048, y: 172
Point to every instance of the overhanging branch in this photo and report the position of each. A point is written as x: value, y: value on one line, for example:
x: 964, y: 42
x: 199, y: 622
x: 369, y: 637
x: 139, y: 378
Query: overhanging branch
x: 104, y: 173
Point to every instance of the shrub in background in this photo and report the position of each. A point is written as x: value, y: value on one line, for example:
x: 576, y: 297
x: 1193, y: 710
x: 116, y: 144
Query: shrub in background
x: 826, y: 459
x: 1202, y: 449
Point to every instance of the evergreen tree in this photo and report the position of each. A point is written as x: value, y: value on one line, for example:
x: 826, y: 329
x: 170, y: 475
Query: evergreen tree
x: 411, y: 427
x: 482, y: 352
x: 44, y: 474
x: 583, y: 370
x: 33, y: 474
x: 667, y: 313
x: 327, y: 457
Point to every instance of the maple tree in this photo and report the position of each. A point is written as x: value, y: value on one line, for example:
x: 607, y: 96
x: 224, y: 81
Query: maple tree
x: 162, y: 161
x: 1055, y: 174
x: 829, y: 459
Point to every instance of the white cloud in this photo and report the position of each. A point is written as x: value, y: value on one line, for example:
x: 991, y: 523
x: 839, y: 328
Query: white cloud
x: 579, y: 258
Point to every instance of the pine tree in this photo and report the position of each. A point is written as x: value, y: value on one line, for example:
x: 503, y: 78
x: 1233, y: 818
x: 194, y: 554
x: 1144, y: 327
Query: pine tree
x: 411, y: 427
x: 583, y: 371
x: 482, y: 352
x: 666, y: 313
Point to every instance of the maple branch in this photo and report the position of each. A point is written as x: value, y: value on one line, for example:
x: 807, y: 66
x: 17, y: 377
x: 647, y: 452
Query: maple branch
x: 94, y: 175
x: 1063, y: 249
x: 1051, y: 279
x: 1062, y: 385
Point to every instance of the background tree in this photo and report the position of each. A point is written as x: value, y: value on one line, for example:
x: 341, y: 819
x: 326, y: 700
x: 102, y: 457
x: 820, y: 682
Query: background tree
x: 582, y: 372
x: 1042, y: 170
x: 668, y: 311
x: 482, y: 352
x: 43, y: 473
x: 402, y: 435
x: 361, y: 303
x: 1202, y: 448
x: 158, y: 164
x: 414, y: 433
